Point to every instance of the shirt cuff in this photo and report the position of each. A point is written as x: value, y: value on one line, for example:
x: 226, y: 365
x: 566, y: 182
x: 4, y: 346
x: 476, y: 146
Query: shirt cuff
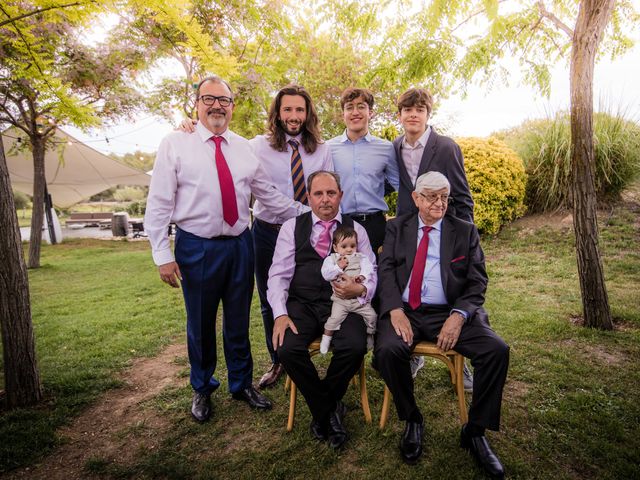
x: 163, y: 256
x: 464, y: 314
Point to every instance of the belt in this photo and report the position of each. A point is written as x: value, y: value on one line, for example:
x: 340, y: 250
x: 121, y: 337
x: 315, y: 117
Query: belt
x: 272, y: 226
x: 363, y: 217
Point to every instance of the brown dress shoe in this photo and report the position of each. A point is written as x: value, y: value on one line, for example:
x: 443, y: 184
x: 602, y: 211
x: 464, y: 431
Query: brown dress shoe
x: 271, y: 377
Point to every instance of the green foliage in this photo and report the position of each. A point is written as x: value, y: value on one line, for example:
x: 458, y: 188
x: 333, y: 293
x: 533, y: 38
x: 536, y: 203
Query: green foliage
x: 129, y: 194
x: 138, y: 208
x: 140, y: 160
x: 545, y: 147
x: 21, y: 200
x: 497, y: 181
x: 392, y: 202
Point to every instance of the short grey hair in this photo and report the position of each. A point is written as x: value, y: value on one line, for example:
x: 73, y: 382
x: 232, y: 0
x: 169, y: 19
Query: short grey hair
x: 213, y: 79
x: 432, y: 181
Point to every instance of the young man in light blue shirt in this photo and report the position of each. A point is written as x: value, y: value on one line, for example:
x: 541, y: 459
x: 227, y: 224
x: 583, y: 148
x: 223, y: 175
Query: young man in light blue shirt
x: 363, y: 162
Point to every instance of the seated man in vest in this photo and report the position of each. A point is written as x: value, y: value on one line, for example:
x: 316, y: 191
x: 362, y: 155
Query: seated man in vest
x: 301, y: 303
x: 432, y: 286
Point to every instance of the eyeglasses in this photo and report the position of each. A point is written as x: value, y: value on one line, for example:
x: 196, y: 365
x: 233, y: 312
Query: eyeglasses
x: 210, y: 100
x: 434, y: 197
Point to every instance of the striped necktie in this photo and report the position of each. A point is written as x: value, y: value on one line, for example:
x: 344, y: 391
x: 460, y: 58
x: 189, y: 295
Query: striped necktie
x: 297, y: 174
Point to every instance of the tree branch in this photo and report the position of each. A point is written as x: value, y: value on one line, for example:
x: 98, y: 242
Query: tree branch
x: 40, y: 10
x: 553, y: 19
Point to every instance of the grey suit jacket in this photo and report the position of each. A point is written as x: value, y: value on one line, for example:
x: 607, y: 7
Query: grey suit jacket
x: 463, y: 272
x: 441, y: 154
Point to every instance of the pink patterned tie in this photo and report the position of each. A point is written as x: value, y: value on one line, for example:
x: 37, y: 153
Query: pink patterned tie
x: 417, y: 274
x: 324, y: 240
x: 227, y: 190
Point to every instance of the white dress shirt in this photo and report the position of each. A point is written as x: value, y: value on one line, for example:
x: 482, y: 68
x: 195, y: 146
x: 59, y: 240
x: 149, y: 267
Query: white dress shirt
x: 284, y: 262
x: 412, y: 155
x: 277, y: 165
x: 185, y: 188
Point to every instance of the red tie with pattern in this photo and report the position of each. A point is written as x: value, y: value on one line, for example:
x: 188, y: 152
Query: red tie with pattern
x: 227, y: 190
x: 297, y: 174
x: 324, y: 240
x: 417, y: 274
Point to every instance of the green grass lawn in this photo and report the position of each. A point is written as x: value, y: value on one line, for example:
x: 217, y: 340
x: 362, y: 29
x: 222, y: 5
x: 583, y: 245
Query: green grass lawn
x: 571, y: 406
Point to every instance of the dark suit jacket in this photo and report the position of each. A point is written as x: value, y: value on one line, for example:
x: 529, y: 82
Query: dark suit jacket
x: 441, y: 154
x: 464, y: 277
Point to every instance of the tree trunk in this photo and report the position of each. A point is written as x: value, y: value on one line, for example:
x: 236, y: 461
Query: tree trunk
x: 37, y: 214
x: 592, y: 20
x: 21, y: 377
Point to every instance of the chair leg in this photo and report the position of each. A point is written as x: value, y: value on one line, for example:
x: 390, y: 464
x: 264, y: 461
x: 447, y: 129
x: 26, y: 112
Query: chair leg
x: 462, y: 404
x: 385, y: 407
x: 292, y: 406
x: 364, y: 398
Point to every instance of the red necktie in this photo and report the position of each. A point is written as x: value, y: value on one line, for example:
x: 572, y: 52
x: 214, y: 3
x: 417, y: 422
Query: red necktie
x: 417, y: 274
x: 227, y: 190
x: 297, y: 174
x: 324, y: 240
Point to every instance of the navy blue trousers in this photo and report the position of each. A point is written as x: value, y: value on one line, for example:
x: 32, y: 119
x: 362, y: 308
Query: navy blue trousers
x: 214, y: 270
x: 264, y: 244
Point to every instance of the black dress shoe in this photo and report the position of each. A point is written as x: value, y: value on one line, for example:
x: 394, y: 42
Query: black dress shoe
x: 201, y: 407
x: 336, y: 433
x: 254, y: 398
x: 318, y: 430
x: 481, y: 451
x: 270, y: 378
x: 411, y: 442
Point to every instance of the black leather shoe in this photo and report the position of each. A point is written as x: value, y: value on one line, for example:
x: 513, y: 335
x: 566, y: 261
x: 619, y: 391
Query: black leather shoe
x: 254, y: 398
x: 411, y: 443
x: 270, y: 378
x: 481, y: 451
x: 201, y: 407
x: 336, y: 433
x: 318, y: 431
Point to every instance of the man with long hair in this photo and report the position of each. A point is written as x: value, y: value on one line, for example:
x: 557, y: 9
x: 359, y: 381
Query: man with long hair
x: 290, y: 151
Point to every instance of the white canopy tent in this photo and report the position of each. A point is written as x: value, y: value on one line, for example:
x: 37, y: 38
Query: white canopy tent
x: 74, y: 171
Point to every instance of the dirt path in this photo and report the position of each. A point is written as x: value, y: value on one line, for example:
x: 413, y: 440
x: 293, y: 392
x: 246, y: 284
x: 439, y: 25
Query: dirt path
x: 103, y: 431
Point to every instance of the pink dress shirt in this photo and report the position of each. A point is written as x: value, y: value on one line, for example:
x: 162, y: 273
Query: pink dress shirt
x: 277, y: 165
x: 185, y: 189
x: 284, y: 263
x: 412, y: 156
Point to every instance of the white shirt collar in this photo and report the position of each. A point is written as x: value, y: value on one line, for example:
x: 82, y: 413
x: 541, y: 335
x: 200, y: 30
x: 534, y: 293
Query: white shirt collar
x: 205, y: 134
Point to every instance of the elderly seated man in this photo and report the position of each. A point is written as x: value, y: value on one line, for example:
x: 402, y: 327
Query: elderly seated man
x: 432, y: 282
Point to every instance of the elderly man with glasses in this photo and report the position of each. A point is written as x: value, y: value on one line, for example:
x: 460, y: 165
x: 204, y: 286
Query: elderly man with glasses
x: 432, y: 282
x: 203, y: 183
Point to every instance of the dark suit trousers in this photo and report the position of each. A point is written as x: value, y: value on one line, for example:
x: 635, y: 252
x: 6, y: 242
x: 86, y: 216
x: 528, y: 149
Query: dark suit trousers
x: 349, y: 347
x: 264, y: 244
x: 489, y: 356
x: 214, y: 270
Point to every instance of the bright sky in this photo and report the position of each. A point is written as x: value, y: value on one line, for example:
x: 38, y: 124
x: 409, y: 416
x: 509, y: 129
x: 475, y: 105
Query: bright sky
x: 616, y: 87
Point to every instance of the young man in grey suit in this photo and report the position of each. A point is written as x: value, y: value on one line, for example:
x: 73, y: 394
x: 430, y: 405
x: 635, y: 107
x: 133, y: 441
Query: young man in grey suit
x: 421, y: 149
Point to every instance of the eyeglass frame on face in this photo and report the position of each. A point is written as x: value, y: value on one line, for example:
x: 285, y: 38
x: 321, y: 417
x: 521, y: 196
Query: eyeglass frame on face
x: 223, y: 100
x: 445, y: 198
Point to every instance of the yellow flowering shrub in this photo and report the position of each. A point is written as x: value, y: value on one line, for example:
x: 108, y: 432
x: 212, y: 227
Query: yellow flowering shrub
x: 497, y: 180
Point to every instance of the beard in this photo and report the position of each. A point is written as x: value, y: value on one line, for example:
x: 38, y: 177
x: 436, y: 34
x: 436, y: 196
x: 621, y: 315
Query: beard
x: 216, y: 121
x: 291, y: 128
